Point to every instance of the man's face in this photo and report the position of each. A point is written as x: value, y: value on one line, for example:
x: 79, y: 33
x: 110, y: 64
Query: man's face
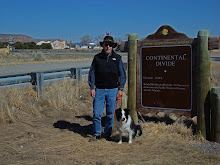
x: 107, y: 47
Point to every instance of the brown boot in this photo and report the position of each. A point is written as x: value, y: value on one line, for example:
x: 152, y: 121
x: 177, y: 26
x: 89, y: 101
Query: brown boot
x: 94, y: 138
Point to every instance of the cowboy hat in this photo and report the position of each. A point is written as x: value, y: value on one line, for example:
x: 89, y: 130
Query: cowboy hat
x: 109, y: 39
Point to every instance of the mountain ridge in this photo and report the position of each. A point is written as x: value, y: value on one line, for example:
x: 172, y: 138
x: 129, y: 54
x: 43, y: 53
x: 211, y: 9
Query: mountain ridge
x: 22, y: 38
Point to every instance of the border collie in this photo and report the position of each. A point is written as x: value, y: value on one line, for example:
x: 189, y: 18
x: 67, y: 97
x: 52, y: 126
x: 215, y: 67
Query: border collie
x: 126, y: 125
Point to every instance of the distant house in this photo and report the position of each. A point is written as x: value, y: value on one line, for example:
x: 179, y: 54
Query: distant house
x: 55, y: 44
x: 81, y: 46
x: 59, y: 44
x: 43, y: 42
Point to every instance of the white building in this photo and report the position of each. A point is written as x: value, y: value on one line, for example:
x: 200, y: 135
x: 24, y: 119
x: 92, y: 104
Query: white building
x: 55, y: 44
x: 59, y: 45
x: 81, y: 46
x: 43, y: 42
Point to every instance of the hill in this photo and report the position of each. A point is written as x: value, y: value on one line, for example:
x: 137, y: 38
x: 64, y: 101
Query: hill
x: 22, y: 38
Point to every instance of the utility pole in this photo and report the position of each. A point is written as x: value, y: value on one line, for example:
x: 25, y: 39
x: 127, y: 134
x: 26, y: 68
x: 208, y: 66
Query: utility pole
x: 11, y: 43
x: 70, y: 41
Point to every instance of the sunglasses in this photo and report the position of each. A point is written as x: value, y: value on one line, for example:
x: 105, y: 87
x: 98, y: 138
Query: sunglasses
x: 110, y: 45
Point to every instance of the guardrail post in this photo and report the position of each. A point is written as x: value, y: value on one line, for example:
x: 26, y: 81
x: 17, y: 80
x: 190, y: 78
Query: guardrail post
x: 215, y: 114
x: 73, y: 73
x: 77, y: 74
x: 40, y: 84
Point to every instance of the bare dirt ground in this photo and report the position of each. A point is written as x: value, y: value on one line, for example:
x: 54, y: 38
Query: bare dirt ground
x: 58, y: 136
x: 55, y: 136
x: 37, y: 141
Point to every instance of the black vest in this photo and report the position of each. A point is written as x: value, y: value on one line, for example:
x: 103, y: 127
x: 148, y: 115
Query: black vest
x: 107, y: 70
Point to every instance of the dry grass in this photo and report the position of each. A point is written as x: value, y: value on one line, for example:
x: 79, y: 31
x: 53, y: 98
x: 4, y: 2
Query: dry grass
x: 17, y: 102
x: 215, y: 74
x: 27, y: 134
x: 215, y: 69
x: 38, y: 57
x: 6, y: 59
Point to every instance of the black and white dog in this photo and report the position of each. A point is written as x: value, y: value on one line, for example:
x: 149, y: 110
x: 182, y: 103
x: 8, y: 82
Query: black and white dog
x: 126, y: 125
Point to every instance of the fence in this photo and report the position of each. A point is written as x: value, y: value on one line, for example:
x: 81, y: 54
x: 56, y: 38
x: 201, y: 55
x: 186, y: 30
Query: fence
x: 39, y: 78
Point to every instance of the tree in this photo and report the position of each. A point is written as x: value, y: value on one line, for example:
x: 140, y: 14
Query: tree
x: 118, y: 39
x: 1, y: 45
x: 126, y: 37
x: 99, y: 38
x: 86, y: 39
x: 4, y: 44
x: 18, y: 45
x: 29, y: 45
x: 46, y: 46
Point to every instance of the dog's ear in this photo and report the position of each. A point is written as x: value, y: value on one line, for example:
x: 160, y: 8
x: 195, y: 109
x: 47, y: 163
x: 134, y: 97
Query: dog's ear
x: 118, y: 111
x: 127, y: 110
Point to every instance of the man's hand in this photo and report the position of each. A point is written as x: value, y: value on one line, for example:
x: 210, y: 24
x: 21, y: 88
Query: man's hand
x: 93, y: 93
x: 120, y: 93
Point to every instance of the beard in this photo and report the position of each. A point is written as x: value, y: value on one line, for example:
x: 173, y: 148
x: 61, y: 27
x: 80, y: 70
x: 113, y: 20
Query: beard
x: 107, y: 51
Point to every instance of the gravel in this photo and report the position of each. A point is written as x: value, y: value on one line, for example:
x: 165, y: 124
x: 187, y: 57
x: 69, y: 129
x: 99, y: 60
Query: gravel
x: 209, y: 147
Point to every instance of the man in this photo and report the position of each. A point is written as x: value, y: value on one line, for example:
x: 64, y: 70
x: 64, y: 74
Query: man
x: 107, y: 78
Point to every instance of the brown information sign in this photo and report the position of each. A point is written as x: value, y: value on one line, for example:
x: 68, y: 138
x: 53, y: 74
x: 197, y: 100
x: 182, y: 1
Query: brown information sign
x: 166, y: 77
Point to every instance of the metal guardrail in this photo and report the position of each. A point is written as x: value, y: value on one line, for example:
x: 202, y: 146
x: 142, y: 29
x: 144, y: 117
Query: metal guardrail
x: 39, y: 78
x: 15, y: 80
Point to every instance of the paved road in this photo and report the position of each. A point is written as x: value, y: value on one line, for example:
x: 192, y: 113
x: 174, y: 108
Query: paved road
x: 28, y: 68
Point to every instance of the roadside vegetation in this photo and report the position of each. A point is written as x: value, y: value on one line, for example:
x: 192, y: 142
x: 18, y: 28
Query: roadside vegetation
x: 35, y: 57
x: 29, y: 137
x: 46, y: 56
x: 27, y: 45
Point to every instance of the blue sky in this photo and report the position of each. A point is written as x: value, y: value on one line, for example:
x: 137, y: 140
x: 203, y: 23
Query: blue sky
x: 53, y: 19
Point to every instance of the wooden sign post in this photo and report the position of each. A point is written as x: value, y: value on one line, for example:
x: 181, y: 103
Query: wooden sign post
x: 168, y: 71
x: 132, y: 50
x: 164, y: 72
x: 203, y: 85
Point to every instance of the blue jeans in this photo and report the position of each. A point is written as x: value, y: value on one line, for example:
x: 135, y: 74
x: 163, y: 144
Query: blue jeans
x: 102, y: 95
